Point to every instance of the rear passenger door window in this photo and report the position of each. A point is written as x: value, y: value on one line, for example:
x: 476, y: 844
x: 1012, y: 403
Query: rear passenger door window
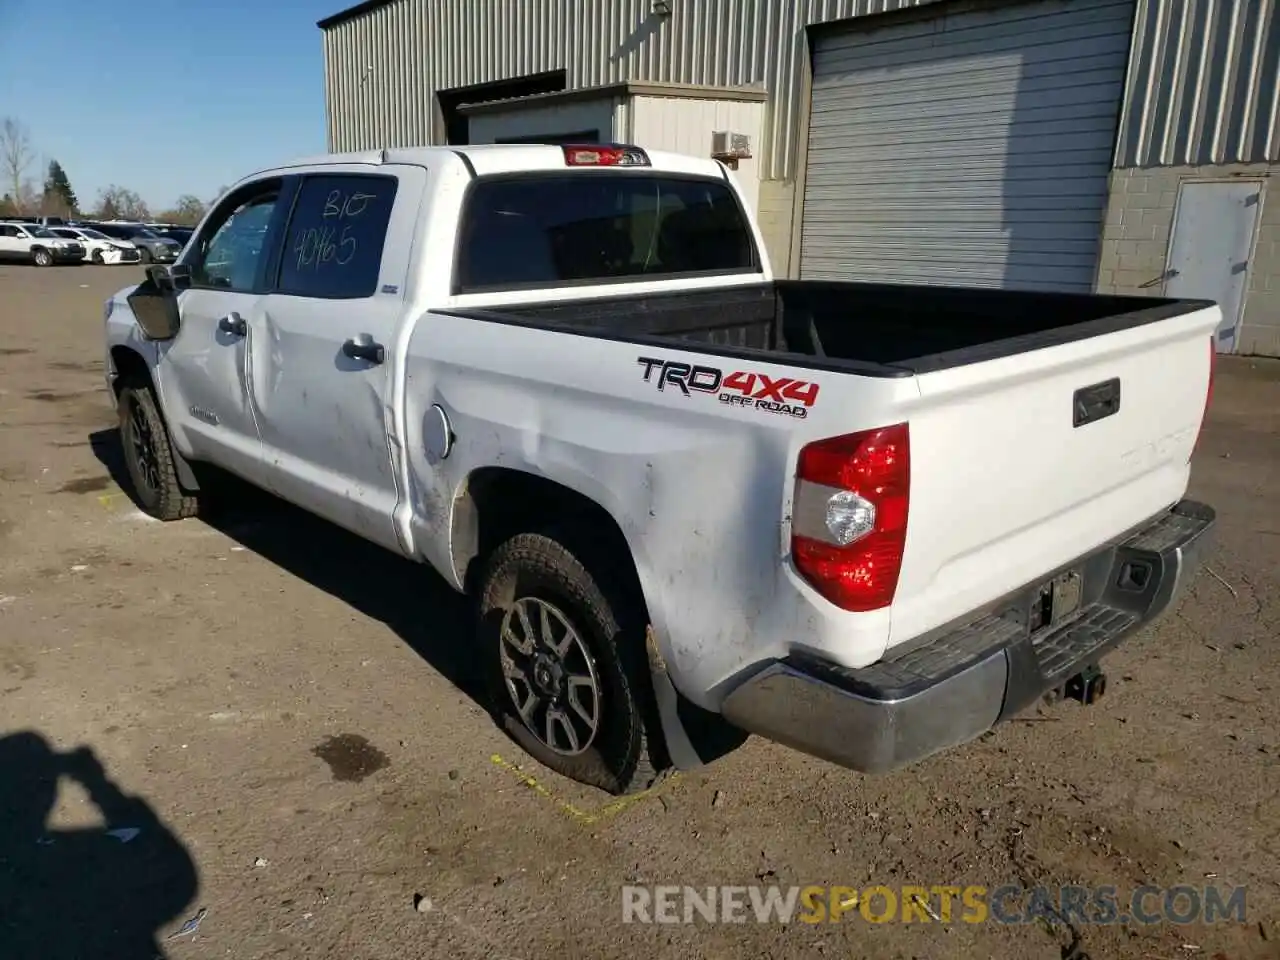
x: 333, y: 246
x: 9, y: 245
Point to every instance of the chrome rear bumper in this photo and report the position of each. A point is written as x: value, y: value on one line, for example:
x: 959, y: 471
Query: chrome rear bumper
x: 967, y: 679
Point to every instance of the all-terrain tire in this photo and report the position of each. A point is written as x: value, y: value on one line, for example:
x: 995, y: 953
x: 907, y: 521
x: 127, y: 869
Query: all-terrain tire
x: 149, y: 455
x: 625, y: 755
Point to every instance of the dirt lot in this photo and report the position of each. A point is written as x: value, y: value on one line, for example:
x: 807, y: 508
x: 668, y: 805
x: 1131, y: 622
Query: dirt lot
x: 286, y: 717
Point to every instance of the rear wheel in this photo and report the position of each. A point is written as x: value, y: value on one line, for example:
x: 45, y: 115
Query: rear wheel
x: 149, y: 456
x: 41, y: 257
x: 566, y: 666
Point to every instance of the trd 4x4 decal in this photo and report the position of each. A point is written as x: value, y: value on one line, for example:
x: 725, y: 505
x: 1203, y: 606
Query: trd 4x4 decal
x: 741, y: 388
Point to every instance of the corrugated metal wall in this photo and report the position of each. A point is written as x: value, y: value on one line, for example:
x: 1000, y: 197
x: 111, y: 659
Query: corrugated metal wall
x: 1203, y: 84
x: 416, y: 47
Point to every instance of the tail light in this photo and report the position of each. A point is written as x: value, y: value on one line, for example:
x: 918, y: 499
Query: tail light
x: 1208, y: 394
x: 849, y: 516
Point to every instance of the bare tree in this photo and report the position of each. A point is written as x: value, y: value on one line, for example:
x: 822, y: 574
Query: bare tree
x: 28, y: 196
x: 116, y: 202
x: 16, y: 153
x: 188, y: 210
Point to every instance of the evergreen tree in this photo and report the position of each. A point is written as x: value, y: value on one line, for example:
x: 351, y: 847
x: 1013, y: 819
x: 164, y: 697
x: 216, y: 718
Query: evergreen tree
x: 57, y: 189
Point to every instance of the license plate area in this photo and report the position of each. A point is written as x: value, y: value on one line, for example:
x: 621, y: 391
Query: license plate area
x: 1055, y: 602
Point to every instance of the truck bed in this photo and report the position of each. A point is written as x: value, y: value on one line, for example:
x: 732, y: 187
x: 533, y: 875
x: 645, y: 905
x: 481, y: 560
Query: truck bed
x: 866, y: 328
x: 1042, y: 426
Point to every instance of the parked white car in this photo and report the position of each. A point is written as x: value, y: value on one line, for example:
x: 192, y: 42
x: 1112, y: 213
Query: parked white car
x: 99, y: 248
x: 31, y: 243
x: 690, y: 500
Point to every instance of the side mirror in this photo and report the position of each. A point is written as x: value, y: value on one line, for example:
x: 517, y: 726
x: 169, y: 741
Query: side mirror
x: 170, y: 278
x: 155, y: 302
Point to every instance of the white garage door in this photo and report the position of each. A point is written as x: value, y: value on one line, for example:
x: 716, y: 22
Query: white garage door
x: 968, y: 148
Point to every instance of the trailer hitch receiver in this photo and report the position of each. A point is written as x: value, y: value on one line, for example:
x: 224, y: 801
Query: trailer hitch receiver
x: 1088, y: 685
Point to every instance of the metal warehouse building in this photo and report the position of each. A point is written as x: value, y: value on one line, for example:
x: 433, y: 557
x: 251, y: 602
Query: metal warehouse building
x: 1118, y: 145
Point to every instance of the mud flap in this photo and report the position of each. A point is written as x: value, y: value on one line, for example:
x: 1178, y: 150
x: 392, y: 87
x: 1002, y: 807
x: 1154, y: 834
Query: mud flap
x: 694, y: 736
x: 186, y: 476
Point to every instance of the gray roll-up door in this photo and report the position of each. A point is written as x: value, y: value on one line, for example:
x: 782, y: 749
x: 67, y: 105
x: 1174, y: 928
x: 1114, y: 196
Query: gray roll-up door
x: 967, y: 148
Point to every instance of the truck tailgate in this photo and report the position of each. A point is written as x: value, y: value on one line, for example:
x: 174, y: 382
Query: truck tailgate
x: 1021, y: 464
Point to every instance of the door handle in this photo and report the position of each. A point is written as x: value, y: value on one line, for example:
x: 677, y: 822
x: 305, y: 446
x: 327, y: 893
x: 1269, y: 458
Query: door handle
x: 233, y: 324
x: 1095, y: 402
x: 362, y: 347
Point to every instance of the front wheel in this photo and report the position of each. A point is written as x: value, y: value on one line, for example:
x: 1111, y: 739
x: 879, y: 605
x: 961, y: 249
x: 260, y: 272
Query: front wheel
x: 145, y: 255
x: 42, y: 258
x: 149, y: 456
x: 96, y: 257
x: 566, y: 667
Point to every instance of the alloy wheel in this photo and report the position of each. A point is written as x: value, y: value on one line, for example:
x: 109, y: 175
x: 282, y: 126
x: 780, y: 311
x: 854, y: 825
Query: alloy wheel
x: 550, y: 676
x: 142, y: 441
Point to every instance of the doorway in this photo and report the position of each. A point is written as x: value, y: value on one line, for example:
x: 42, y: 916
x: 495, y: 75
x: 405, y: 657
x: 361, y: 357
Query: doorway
x: 582, y: 136
x: 454, y: 123
x: 1215, y: 224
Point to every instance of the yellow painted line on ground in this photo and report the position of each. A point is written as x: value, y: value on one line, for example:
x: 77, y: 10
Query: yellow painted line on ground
x: 584, y: 817
x: 108, y: 499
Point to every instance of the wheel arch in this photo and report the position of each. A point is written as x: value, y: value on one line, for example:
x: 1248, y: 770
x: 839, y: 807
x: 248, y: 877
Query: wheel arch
x: 131, y: 367
x: 498, y: 502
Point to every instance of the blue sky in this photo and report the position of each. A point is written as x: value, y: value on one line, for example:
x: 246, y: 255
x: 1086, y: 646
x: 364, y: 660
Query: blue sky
x: 164, y: 99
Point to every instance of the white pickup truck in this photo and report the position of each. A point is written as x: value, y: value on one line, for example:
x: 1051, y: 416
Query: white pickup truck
x: 691, y: 501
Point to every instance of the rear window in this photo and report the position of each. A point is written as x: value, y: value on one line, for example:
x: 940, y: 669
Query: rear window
x: 333, y: 247
x: 526, y: 232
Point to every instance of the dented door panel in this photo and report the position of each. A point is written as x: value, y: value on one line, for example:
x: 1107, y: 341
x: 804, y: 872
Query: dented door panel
x: 322, y: 367
x: 202, y: 375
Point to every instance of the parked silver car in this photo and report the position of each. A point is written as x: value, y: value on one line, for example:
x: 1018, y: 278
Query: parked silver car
x: 99, y: 248
x: 153, y: 247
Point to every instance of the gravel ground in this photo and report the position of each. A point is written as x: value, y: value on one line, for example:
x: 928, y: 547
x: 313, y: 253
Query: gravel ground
x: 287, y: 718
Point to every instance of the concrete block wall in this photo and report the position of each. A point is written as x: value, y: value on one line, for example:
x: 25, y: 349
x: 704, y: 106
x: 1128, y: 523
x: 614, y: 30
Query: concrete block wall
x: 1138, y: 226
x: 775, y: 207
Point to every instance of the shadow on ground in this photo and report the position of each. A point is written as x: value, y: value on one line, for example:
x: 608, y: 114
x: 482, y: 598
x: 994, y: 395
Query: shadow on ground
x: 410, y: 598
x: 105, y: 445
x: 110, y: 892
